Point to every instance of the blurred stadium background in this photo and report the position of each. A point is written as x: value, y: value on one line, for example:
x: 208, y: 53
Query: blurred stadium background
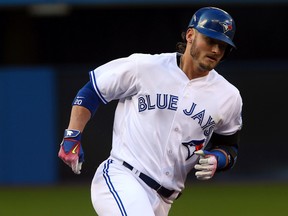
x: 47, y: 48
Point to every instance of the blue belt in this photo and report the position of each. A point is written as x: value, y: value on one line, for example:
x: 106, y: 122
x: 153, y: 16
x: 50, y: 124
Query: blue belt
x: 152, y: 183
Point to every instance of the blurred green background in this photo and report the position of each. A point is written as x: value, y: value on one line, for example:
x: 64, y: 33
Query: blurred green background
x: 48, y: 47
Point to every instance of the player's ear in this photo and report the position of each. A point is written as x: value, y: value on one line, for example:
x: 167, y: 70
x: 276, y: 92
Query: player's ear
x: 190, y: 34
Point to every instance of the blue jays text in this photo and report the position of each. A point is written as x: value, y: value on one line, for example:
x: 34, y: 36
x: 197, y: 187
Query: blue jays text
x: 165, y: 101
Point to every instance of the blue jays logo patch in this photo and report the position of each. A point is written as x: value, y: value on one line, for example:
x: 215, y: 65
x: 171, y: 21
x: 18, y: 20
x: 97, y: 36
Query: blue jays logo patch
x: 192, y: 146
x: 226, y: 26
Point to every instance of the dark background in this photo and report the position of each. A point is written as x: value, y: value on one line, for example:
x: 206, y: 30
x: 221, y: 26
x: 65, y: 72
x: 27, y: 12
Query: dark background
x: 86, y: 36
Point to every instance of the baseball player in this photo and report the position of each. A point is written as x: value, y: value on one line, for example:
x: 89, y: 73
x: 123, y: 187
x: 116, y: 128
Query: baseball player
x: 175, y: 113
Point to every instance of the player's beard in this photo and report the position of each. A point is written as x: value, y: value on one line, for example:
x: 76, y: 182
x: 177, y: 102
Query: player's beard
x: 196, y: 55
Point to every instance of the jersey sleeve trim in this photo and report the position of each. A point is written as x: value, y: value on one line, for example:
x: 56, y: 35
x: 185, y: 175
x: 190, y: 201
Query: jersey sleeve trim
x: 93, y: 79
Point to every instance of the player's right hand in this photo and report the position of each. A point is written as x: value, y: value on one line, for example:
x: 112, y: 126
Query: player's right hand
x: 71, y: 151
x: 206, y: 166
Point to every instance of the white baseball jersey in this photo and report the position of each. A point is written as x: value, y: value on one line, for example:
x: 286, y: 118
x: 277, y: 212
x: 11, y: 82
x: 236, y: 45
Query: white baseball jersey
x: 162, y: 116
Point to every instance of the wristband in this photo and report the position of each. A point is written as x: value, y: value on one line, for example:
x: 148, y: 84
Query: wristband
x: 76, y: 134
x: 222, y: 158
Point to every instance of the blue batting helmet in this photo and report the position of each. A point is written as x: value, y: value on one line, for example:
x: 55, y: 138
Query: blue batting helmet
x: 214, y: 23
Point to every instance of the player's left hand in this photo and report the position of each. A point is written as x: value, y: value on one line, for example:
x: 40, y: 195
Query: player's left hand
x: 71, y: 151
x: 206, y: 166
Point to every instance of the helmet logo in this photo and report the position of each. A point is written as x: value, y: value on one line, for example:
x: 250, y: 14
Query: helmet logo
x: 226, y: 26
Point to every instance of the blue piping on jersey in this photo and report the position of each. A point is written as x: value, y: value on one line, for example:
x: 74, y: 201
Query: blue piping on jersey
x: 92, y: 76
x: 112, y: 189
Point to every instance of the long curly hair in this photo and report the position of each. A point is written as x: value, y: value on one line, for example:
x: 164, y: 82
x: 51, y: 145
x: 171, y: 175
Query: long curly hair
x: 181, y: 46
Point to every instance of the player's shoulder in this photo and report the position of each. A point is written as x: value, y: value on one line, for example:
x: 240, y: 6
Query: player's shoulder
x: 150, y: 58
x: 223, y: 82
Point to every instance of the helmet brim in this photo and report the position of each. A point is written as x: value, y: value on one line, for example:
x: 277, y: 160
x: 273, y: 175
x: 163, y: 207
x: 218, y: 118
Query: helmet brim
x: 215, y: 35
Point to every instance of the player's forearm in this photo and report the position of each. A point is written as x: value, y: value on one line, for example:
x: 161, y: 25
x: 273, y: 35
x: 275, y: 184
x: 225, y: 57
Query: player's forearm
x: 79, y: 118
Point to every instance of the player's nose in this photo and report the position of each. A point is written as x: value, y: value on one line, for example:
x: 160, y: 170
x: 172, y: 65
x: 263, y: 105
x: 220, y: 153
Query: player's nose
x: 218, y: 48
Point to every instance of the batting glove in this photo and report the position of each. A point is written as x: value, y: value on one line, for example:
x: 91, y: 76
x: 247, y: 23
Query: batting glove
x: 206, y: 166
x: 71, y: 151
